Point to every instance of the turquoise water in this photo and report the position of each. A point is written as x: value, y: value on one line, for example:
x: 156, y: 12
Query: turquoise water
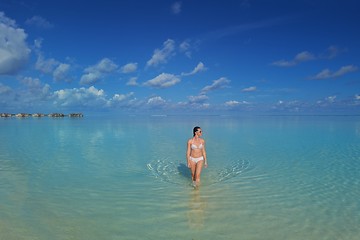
x: 125, y: 178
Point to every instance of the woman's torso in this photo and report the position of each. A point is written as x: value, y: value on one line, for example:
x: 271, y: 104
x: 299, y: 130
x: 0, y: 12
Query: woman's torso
x: 196, y: 147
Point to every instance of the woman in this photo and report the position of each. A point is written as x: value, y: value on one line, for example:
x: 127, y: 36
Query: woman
x: 196, y: 155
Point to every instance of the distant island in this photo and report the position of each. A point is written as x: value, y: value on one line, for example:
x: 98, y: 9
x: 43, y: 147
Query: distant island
x: 54, y: 115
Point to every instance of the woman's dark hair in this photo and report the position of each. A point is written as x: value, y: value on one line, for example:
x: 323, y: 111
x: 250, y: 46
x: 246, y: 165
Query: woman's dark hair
x: 195, y: 130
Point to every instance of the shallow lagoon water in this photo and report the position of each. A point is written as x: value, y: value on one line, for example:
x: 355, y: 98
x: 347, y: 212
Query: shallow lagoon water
x: 269, y: 177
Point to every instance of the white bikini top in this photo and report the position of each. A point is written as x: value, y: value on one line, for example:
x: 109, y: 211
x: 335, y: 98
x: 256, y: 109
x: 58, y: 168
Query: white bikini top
x: 193, y: 146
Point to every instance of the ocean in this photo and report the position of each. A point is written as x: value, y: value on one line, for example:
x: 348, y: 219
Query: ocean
x: 269, y: 177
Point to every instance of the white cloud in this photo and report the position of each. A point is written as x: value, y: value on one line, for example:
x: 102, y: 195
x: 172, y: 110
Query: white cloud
x: 132, y: 82
x: 31, y: 94
x: 35, y: 91
x: 90, y: 78
x: 7, y: 21
x: 199, y: 68
x: 104, y: 66
x: 194, y: 102
x: 185, y: 48
x: 164, y: 80
x: 162, y: 55
x: 193, y: 106
x: 14, y: 51
x: 83, y: 97
x: 326, y: 73
x: 38, y: 43
x: 98, y: 71
x: 300, y: 57
x: 156, y: 101
x: 249, y: 89
x: 45, y: 65
x: 205, y: 106
x: 119, y: 100
x: 34, y: 94
x: 326, y: 102
x: 31, y: 82
x: 129, y: 68
x: 289, y: 106
x: 176, y: 7
x: 357, y: 97
x: 303, y: 57
x: 332, y: 52
x: 198, y: 99
x: 39, y: 22
x: 217, y: 84
x: 331, y: 99
x: 61, y: 73
x: 345, y: 70
x: 232, y: 103
x: 121, y: 97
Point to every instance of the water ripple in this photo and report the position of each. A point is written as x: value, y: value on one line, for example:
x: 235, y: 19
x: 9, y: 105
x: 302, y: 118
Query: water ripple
x: 178, y: 173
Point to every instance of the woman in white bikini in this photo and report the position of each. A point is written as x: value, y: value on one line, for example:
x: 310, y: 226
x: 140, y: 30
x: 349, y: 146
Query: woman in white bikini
x: 196, y: 155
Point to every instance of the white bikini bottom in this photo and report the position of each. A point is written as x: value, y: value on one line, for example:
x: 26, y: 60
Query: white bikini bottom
x: 196, y: 160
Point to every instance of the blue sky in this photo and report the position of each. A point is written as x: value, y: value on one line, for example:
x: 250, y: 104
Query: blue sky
x: 180, y: 57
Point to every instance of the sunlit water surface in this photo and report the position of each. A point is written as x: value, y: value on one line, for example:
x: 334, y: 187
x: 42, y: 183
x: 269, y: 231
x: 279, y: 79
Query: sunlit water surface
x: 126, y: 178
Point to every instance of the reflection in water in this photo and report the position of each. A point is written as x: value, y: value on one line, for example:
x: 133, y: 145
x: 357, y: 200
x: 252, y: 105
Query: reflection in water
x: 196, y: 213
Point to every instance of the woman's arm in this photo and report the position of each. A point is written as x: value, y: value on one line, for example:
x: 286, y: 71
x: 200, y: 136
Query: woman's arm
x: 188, y: 154
x: 204, y: 154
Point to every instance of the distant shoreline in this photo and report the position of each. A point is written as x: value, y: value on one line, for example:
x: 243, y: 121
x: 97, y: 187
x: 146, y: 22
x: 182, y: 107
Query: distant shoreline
x: 39, y: 115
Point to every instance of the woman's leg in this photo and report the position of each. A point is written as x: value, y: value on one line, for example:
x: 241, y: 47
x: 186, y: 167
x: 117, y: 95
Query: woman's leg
x: 198, y: 169
x: 193, y: 169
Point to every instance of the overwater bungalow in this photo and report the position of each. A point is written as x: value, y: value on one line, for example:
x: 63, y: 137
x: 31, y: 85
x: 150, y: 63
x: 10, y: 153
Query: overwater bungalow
x: 76, y: 115
x: 6, y: 115
x: 56, y: 115
x: 23, y: 115
x: 38, y: 115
